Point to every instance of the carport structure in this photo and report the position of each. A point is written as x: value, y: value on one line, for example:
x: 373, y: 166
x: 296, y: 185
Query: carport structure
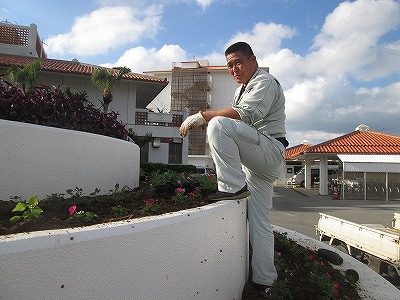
x: 369, y: 164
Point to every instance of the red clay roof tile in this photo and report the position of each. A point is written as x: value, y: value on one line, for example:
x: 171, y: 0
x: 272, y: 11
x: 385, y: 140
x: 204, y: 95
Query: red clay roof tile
x: 360, y: 142
x: 294, y: 151
x: 70, y: 67
x: 356, y: 142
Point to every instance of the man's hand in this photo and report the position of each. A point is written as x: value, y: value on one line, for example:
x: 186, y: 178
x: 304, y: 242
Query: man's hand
x: 191, y: 122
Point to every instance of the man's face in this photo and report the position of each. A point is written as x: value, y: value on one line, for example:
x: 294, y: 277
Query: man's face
x: 241, y: 67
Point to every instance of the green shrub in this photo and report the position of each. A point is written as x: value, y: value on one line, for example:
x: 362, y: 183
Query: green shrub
x: 147, y: 168
x: 60, y: 108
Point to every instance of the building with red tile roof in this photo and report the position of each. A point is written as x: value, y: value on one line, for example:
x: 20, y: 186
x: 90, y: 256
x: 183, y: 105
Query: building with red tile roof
x: 147, y: 87
x: 367, y: 159
x: 20, y: 45
x: 297, y: 150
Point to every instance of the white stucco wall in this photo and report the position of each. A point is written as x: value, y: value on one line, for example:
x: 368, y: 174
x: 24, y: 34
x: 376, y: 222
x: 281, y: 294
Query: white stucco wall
x: 199, y: 253
x: 40, y: 160
x: 201, y: 160
x: 222, y: 90
x: 124, y: 93
x: 159, y: 155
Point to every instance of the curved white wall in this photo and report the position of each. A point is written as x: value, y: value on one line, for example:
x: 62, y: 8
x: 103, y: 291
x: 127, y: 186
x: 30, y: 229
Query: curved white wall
x: 40, y: 160
x: 199, y: 253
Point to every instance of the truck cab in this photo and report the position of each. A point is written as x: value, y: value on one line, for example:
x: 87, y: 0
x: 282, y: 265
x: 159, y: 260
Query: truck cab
x: 299, y: 178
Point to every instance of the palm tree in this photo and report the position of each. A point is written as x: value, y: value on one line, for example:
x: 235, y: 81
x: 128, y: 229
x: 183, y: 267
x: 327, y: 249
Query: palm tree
x: 105, y: 79
x: 25, y: 76
x: 141, y: 141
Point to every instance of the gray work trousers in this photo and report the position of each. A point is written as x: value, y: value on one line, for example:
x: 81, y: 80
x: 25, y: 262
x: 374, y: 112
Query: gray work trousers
x: 243, y: 155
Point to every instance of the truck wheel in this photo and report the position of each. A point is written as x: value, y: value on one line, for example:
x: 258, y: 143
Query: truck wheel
x: 330, y: 256
x: 375, y: 264
x: 342, y: 248
x: 391, y: 275
x: 352, y: 275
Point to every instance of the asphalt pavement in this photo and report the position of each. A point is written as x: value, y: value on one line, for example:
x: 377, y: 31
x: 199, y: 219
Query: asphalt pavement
x: 298, y: 209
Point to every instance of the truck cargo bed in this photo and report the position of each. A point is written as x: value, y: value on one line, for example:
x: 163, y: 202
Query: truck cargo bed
x: 375, y: 239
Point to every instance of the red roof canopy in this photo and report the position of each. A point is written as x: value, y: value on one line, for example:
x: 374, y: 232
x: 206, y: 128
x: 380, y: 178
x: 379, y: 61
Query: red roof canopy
x: 356, y: 142
x: 71, y: 67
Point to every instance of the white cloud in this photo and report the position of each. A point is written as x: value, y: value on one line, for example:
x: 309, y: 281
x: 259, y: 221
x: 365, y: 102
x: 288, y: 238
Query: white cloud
x: 140, y: 59
x: 106, y: 28
x: 312, y: 136
x: 264, y: 38
x: 380, y: 101
x: 4, y: 12
x: 204, y: 3
x: 303, y: 99
x: 349, y: 41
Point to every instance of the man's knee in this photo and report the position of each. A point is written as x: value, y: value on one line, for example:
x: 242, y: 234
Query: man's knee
x: 215, y: 125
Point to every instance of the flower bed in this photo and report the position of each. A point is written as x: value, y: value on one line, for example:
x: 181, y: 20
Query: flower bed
x: 198, y: 253
x: 370, y: 284
x: 198, y: 233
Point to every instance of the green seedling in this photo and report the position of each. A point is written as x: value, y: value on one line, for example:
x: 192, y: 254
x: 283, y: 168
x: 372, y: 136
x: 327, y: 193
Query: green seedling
x: 30, y: 210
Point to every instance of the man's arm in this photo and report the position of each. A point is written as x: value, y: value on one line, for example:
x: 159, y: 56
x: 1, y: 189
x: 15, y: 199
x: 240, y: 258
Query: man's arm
x: 201, y: 118
x: 225, y: 112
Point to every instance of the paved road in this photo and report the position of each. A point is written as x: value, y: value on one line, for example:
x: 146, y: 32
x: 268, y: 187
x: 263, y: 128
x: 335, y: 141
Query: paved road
x: 298, y: 210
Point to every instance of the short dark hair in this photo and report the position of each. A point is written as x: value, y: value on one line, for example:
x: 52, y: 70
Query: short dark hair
x: 240, y: 46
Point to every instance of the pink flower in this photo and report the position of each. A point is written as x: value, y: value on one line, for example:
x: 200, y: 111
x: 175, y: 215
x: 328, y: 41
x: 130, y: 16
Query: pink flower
x: 179, y: 181
x: 192, y: 194
x: 179, y: 190
x: 311, y: 257
x: 336, y: 288
x: 72, y: 210
x: 150, y: 202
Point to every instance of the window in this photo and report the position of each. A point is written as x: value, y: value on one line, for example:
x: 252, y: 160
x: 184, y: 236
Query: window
x: 175, y: 153
x: 144, y: 153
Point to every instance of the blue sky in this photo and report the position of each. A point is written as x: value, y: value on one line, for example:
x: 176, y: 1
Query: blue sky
x: 338, y: 61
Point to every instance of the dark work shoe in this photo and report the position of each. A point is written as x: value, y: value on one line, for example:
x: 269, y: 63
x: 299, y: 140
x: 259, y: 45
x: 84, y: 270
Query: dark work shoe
x: 261, y: 291
x: 218, y: 196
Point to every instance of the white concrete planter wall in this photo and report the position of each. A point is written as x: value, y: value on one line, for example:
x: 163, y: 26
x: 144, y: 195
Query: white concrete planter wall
x: 40, y: 160
x: 371, y: 285
x: 193, y: 254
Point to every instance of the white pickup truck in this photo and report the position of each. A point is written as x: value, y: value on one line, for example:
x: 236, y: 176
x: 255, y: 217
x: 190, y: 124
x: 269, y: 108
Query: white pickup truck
x: 374, y: 244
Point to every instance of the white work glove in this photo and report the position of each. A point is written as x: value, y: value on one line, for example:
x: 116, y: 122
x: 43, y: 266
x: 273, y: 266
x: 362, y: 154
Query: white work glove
x: 191, y: 122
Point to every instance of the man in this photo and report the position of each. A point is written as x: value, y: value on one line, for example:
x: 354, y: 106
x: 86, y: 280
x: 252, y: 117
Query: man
x: 247, y: 143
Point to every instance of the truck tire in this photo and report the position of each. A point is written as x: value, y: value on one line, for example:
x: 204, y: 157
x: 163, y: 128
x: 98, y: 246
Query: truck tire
x: 352, y: 275
x: 375, y: 264
x: 390, y: 273
x: 330, y: 256
x: 342, y: 248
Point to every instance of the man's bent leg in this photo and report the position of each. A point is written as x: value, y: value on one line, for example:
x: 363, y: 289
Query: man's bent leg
x: 226, y: 156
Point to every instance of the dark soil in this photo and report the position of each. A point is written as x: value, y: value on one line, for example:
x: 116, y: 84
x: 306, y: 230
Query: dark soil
x: 298, y: 278
x: 56, y: 214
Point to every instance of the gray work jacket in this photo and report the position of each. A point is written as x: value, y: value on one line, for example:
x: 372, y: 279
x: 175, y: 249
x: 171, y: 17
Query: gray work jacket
x: 262, y: 104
